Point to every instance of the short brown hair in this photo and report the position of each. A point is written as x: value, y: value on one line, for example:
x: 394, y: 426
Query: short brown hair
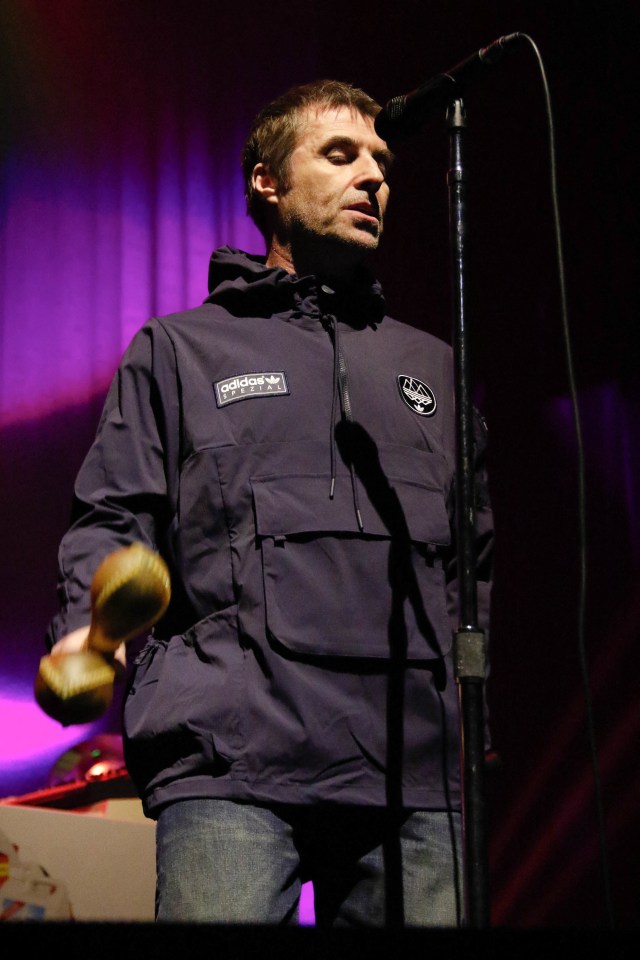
x: 275, y: 131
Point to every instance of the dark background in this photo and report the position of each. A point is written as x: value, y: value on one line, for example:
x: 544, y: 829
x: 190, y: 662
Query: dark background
x: 200, y: 59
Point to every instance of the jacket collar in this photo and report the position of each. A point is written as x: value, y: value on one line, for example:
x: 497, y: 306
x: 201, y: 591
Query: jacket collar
x: 246, y: 286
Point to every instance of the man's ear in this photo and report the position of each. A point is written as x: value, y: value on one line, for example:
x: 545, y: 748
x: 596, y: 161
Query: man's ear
x: 264, y: 183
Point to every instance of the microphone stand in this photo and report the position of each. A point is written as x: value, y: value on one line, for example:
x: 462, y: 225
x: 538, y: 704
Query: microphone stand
x: 469, y: 643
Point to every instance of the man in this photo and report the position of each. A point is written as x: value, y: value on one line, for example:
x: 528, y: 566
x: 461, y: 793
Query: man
x: 289, y: 449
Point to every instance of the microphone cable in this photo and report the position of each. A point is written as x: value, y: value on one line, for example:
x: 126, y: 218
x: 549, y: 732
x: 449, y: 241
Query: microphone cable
x: 582, y: 509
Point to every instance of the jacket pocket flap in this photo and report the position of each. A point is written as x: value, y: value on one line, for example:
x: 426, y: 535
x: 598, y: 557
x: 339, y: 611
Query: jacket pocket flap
x: 296, y: 505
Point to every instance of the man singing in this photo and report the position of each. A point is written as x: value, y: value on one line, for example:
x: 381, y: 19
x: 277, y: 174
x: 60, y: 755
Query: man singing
x: 289, y: 449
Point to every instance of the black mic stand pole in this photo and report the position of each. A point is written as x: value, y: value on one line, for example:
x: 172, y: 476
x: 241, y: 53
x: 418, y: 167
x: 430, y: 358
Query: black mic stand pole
x: 469, y: 644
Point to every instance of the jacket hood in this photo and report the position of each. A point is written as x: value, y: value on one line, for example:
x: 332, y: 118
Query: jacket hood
x: 246, y: 286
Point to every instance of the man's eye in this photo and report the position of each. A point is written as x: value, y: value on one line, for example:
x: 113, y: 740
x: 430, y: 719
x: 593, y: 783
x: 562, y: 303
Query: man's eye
x: 384, y: 164
x: 337, y: 157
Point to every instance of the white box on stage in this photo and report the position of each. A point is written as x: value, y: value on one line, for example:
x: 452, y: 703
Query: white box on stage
x: 105, y: 858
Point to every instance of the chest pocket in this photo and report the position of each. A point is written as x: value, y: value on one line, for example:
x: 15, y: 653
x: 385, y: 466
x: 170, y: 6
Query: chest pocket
x: 331, y: 590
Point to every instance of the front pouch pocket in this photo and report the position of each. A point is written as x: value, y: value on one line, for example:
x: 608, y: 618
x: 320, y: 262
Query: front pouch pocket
x: 331, y: 590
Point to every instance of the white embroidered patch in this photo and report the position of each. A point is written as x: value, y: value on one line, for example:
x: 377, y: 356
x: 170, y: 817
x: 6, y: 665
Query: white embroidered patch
x: 417, y: 395
x: 247, y: 385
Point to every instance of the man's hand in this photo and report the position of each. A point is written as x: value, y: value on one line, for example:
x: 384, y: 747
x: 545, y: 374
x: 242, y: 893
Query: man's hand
x: 78, y: 640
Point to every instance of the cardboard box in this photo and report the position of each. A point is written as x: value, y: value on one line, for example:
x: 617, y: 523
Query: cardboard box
x: 105, y: 857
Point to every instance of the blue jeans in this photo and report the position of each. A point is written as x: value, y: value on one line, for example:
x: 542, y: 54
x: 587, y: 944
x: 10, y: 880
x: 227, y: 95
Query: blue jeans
x: 219, y: 861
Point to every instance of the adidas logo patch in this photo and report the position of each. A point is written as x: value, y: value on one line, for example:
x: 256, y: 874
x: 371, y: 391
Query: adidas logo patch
x: 248, y: 385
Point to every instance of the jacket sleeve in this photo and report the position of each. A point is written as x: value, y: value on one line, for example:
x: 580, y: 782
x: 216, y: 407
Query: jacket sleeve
x: 121, y: 491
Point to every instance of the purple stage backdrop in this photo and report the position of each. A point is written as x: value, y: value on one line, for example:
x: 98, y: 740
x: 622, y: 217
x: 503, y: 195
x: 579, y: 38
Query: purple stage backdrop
x: 121, y: 129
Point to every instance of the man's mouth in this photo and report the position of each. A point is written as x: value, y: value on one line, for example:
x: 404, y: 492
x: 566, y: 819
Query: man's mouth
x: 366, y: 209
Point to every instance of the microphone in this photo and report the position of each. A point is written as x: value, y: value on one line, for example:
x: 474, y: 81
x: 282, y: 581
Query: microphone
x: 402, y: 115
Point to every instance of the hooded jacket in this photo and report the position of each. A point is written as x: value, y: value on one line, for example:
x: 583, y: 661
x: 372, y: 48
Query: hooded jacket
x: 289, y: 449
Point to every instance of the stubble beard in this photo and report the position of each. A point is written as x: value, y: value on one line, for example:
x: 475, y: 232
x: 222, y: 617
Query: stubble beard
x: 331, y: 252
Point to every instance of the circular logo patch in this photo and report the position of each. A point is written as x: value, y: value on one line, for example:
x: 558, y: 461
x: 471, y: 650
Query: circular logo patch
x: 417, y: 395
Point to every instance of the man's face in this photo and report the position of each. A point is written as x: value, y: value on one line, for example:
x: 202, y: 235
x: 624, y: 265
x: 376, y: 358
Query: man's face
x: 333, y: 208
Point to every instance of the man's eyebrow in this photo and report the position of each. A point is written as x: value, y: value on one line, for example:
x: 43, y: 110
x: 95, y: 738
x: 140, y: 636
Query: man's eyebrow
x: 338, y: 140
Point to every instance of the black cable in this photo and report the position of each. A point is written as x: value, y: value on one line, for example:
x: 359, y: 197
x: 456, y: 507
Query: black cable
x: 581, y: 505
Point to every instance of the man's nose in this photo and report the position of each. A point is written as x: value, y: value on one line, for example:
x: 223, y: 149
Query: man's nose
x: 370, y: 173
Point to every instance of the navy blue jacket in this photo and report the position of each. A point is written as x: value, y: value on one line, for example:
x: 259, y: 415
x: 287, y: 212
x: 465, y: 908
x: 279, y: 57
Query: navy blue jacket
x: 289, y: 449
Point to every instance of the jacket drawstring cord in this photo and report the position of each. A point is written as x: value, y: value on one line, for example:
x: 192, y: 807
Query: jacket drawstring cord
x: 334, y: 401
x: 340, y: 378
